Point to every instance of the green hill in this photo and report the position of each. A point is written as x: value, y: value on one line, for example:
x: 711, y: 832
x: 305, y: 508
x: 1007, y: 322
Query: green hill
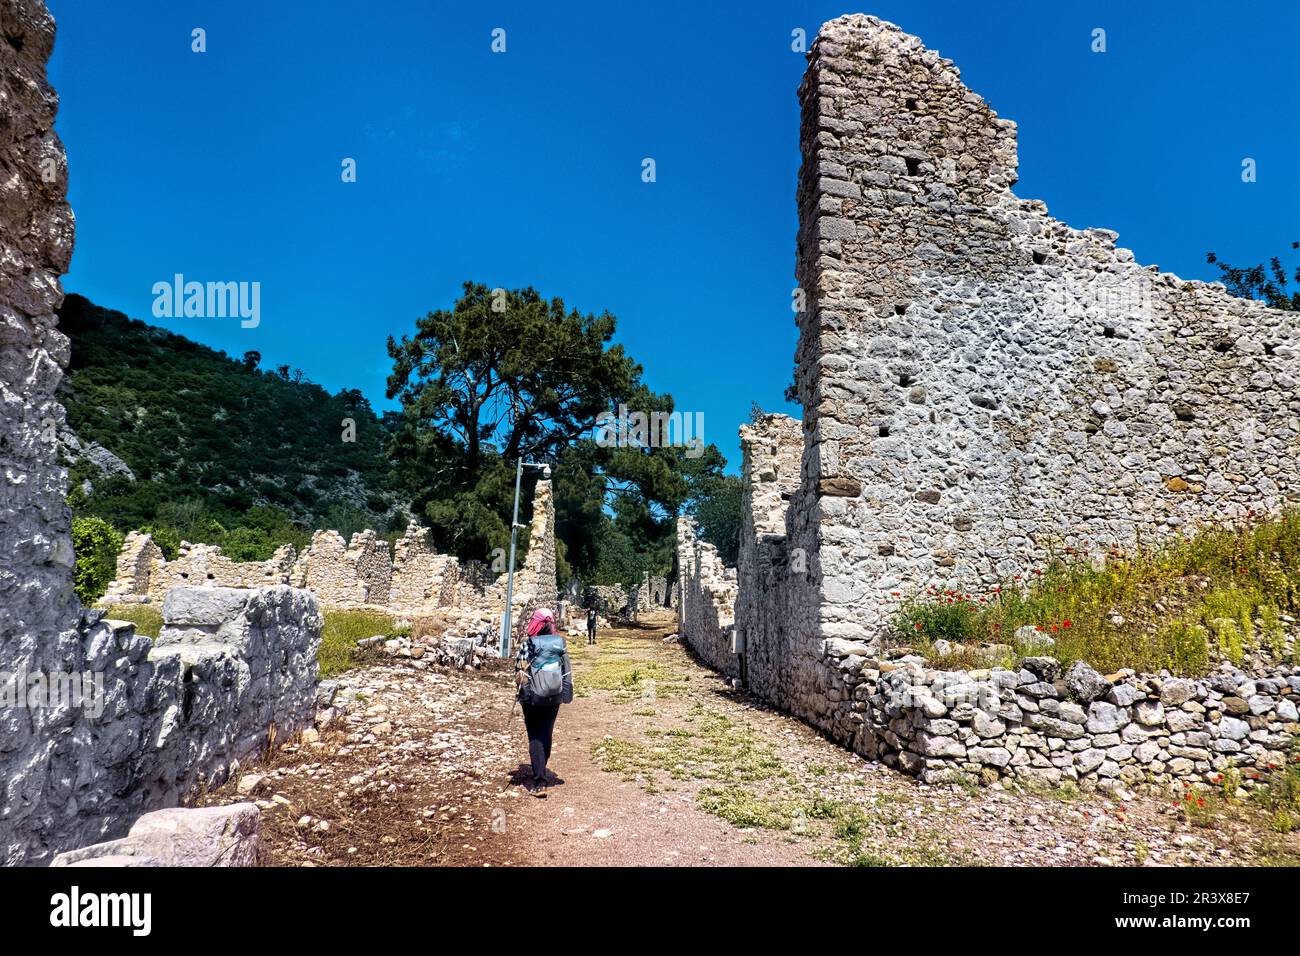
x: 183, y: 438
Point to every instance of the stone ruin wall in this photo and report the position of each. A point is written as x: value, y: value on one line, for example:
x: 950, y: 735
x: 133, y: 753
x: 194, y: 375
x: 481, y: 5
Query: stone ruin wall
x: 346, y: 574
x: 982, y: 384
x: 538, y: 576
x: 772, y: 450
x: 172, y: 714
x: 705, y: 600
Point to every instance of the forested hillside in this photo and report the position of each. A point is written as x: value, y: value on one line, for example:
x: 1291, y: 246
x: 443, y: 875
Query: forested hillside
x: 213, y: 444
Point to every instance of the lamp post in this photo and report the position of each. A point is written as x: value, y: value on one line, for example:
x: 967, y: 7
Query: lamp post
x: 514, y: 537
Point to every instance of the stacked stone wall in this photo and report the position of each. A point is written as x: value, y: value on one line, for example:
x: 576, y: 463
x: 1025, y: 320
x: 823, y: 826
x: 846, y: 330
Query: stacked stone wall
x: 706, y: 600
x: 159, y: 720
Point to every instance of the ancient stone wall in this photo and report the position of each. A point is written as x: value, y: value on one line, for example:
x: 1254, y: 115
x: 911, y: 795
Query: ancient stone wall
x: 706, y: 600
x: 38, y: 611
x: 1044, y: 727
x: 980, y: 381
x: 343, y: 574
x: 422, y: 577
x: 97, y: 724
x: 538, y: 574
x: 772, y: 451
x: 161, y: 719
x: 650, y: 592
x: 981, y: 384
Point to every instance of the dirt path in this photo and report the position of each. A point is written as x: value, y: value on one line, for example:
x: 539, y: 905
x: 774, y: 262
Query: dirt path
x: 659, y: 762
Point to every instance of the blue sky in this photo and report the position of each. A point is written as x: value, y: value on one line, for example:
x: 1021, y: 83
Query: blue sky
x: 524, y: 168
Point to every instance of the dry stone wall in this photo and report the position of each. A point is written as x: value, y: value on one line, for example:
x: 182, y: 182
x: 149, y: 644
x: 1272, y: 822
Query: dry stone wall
x: 164, y: 718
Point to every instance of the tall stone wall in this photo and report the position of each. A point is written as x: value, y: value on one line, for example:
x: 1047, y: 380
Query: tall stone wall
x: 980, y: 381
x: 97, y: 724
x: 772, y: 451
x: 538, y: 574
x: 982, y: 384
x: 37, y: 604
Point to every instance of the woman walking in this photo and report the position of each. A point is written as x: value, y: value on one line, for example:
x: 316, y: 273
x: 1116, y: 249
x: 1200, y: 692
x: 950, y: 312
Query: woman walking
x: 545, y: 681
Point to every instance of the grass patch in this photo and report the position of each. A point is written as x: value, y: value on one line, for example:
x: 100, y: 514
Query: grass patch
x: 148, y: 620
x: 1184, y: 604
x: 631, y: 678
x: 716, y: 748
x: 339, y: 636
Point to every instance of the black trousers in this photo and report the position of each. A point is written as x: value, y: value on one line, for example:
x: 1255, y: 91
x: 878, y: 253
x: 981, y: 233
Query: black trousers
x: 539, y: 719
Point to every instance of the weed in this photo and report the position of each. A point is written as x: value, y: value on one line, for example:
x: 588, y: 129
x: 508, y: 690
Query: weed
x: 148, y: 620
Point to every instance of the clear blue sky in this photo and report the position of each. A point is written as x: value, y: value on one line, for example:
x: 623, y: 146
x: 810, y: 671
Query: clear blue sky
x: 524, y: 168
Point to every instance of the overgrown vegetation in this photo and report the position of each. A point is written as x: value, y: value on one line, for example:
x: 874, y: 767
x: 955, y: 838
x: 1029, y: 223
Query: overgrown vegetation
x: 209, y: 438
x: 617, y: 668
x: 96, y: 543
x: 224, y: 452
x: 148, y: 620
x: 1181, y: 605
x: 342, y: 630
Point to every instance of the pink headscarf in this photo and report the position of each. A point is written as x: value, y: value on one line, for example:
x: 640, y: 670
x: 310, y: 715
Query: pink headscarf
x: 541, y: 617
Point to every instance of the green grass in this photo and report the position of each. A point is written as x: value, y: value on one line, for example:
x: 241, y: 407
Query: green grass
x: 148, y: 620
x: 1184, y: 604
x: 715, y: 748
x: 339, y: 636
x: 615, y: 666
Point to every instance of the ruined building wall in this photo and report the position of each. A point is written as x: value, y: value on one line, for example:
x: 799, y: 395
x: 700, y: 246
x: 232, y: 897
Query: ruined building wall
x: 360, y: 573
x: 342, y: 574
x: 772, y: 452
x: 97, y: 724
x: 706, y: 600
x: 422, y: 577
x: 538, y: 574
x: 981, y: 383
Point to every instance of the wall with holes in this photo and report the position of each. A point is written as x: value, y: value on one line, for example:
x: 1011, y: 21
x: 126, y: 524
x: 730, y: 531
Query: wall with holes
x: 982, y: 383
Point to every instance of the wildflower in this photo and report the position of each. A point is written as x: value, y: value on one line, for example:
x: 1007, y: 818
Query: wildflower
x: 1067, y: 624
x: 1200, y: 803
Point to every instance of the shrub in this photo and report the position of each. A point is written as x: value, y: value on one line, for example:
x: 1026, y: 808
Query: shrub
x: 96, y: 543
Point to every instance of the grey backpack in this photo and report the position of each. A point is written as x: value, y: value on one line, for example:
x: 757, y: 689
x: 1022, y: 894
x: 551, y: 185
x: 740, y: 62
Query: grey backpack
x: 545, y: 655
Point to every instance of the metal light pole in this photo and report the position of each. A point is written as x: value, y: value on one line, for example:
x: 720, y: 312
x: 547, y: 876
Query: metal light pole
x: 514, y: 537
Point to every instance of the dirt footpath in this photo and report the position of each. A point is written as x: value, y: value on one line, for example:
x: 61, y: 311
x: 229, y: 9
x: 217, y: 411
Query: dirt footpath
x: 659, y: 762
